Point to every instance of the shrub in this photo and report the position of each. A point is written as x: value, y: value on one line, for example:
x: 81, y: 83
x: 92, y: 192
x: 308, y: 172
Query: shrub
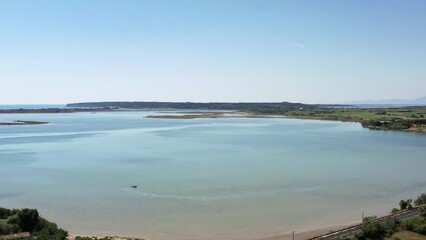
x: 406, y: 204
x: 6, y: 229
x: 50, y: 231
x: 5, y: 213
x: 420, y: 200
x: 369, y: 218
x: 394, y: 210
x: 372, y: 230
x: 28, y: 219
x: 391, y: 225
x: 417, y: 224
x: 423, y: 211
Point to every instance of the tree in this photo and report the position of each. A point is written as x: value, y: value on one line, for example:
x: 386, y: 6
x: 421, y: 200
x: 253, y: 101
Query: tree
x: 28, y: 219
x: 371, y: 230
x: 420, y: 200
x: 409, y: 204
x: 5, y: 213
x: 406, y: 204
x: 46, y: 230
x: 423, y: 211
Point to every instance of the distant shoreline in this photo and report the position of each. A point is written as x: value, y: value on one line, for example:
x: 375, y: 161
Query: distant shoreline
x: 21, y: 123
x: 409, y: 119
x: 54, y: 110
x: 417, y: 124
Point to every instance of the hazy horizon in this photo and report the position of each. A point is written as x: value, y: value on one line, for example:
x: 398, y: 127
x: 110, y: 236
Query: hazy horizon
x: 58, y: 52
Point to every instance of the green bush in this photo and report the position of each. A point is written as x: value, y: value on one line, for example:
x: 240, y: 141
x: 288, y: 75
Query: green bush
x: 6, y: 229
x: 28, y: 219
x: 49, y: 231
x: 377, y: 229
x: 417, y: 224
x: 420, y: 200
x: 372, y: 230
x: 423, y: 210
x: 369, y: 218
x: 394, y: 210
x: 391, y: 225
x: 421, y: 229
x: 406, y: 204
x: 5, y: 213
x: 46, y: 230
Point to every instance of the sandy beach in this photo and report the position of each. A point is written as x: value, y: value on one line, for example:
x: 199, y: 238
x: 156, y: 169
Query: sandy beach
x: 306, y: 233
x: 299, y: 234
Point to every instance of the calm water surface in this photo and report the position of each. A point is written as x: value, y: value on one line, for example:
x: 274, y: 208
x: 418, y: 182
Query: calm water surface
x: 204, y: 178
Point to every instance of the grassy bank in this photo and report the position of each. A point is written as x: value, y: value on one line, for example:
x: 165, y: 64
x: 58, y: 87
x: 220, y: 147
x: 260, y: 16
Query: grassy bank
x: 407, y: 119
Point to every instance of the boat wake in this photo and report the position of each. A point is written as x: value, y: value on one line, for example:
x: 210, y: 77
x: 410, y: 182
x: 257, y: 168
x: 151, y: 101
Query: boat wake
x: 214, y: 198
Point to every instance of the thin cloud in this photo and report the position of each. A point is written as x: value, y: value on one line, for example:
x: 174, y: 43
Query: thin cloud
x: 298, y: 45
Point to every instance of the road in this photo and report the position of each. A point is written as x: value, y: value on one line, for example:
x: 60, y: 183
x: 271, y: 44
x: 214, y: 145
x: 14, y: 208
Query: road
x: 349, y: 231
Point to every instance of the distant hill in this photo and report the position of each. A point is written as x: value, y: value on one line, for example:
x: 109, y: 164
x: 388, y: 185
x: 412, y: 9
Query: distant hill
x: 419, y: 101
x: 191, y: 105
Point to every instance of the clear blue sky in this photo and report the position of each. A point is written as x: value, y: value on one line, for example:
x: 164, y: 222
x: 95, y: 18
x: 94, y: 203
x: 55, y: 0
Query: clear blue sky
x: 306, y: 51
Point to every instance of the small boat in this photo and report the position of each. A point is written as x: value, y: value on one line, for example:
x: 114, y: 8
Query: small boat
x: 134, y: 186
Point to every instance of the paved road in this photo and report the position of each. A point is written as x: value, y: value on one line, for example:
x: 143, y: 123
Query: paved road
x: 352, y: 230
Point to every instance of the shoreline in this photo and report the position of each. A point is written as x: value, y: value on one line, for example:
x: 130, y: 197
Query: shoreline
x: 407, y: 119
x: 301, y: 233
x: 22, y: 123
x: 307, y: 232
x: 415, y: 128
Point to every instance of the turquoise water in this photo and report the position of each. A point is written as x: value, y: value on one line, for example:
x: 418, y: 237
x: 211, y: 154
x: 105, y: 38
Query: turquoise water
x: 204, y: 178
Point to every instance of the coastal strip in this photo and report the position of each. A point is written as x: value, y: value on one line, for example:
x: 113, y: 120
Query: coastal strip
x: 21, y: 123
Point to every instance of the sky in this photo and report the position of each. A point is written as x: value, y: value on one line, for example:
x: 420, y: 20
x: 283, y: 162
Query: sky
x: 317, y: 51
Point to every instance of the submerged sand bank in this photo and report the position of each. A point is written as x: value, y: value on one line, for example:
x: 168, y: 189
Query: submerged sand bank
x: 196, y: 115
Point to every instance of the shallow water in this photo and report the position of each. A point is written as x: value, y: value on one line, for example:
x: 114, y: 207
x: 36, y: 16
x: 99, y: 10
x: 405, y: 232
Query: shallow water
x: 204, y: 178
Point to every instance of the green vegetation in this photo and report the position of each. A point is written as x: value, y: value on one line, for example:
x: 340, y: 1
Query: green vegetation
x: 403, y: 118
x: 394, y: 210
x: 407, y: 235
x: 417, y: 225
x: 392, y: 228
x: 20, y: 122
x: 406, y: 204
x: 377, y: 229
x: 409, y: 118
x: 420, y: 200
x: 28, y: 220
x: 191, y: 105
x: 24, y: 221
x: 423, y: 210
